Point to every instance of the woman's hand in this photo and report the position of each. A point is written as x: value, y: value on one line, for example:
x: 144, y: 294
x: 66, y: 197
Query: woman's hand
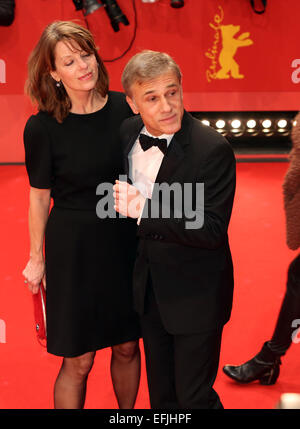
x: 34, y: 274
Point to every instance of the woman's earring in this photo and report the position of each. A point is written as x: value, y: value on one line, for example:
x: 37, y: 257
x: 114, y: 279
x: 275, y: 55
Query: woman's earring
x: 58, y: 84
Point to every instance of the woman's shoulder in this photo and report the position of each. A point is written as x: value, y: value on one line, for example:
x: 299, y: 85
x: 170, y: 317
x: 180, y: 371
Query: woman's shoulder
x: 117, y: 95
x: 118, y: 98
x: 38, y: 125
x: 38, y: 119
x: 117, y: 101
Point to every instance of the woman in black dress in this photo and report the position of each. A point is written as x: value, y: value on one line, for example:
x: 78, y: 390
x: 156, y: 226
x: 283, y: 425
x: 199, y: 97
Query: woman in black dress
x: 72, y: 145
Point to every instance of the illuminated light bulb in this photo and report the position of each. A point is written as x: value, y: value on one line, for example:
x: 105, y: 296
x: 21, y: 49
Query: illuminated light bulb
x: 236, y: 123
x: 220, y: 123
x: 282, y: 123
x: 251, y: 123
x: 267, y: 123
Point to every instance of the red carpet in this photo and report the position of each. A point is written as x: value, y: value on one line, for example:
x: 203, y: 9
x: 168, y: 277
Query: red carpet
x: 261, y: 258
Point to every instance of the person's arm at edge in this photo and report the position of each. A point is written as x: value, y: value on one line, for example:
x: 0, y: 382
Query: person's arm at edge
x: 39, y: 204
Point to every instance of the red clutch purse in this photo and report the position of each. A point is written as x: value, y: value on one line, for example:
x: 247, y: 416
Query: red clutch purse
x: 39, y: 304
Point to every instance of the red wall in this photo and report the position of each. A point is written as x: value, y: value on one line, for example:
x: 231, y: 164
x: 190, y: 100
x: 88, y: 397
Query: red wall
x: 192, y: 35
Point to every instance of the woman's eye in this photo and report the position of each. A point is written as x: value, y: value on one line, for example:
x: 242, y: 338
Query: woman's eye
x: 68, y: 64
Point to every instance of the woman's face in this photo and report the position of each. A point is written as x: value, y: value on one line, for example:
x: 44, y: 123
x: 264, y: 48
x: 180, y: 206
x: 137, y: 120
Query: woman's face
x: 77, y: 69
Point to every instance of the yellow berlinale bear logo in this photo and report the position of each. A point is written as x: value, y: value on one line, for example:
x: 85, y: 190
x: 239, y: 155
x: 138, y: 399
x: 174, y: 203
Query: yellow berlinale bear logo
x: 225, y: 45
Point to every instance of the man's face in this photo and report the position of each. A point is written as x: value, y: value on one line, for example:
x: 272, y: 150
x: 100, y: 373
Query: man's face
x: 159, y: 102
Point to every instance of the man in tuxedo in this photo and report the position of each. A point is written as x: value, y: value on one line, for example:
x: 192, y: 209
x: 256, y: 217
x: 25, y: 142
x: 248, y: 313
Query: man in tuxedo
x: 183, y: 277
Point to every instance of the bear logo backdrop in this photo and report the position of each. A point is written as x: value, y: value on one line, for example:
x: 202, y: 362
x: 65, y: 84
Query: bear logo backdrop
x: 225, y: 45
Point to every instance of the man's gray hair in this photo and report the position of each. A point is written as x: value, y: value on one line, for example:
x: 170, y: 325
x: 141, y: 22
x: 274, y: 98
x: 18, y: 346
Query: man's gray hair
x: 148, y: 65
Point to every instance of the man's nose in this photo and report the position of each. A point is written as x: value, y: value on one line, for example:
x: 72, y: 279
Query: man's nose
x: 165, y: 105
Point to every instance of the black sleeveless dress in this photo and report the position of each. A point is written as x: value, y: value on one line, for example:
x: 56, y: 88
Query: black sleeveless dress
x: 89, y: 260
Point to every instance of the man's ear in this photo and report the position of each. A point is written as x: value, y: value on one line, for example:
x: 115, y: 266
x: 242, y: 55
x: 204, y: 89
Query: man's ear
x: 132, y: 105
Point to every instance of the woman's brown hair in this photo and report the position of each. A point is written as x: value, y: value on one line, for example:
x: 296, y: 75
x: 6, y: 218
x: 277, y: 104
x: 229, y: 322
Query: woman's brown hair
x: 40, y: 86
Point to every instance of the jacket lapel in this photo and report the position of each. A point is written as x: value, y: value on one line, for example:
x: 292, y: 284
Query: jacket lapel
x: 176, y: 151
x: 171, y: 161
x: 129, y: 140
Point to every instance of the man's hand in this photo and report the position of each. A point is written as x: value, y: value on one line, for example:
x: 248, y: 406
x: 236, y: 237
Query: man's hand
x: 129, y: 201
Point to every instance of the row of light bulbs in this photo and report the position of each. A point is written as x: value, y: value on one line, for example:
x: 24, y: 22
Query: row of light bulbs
x: 252, y: 126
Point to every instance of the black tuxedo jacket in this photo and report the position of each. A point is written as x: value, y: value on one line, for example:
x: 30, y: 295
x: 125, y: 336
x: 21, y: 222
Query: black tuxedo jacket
x: 191, y: 269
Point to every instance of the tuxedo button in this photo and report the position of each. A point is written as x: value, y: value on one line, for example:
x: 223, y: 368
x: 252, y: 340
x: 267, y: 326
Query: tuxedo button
x: 154, y: 236
x: 150, y: 235
x: 158, y: 237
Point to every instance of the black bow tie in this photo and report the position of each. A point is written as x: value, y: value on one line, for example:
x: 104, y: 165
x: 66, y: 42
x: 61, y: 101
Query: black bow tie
x: 147, y: 142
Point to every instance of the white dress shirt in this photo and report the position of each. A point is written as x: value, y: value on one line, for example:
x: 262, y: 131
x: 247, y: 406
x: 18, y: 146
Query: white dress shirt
x: 144, y: 165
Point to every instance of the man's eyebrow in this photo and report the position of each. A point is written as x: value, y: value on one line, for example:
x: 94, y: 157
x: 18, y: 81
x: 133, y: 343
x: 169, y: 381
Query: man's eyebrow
x: 171, y: 85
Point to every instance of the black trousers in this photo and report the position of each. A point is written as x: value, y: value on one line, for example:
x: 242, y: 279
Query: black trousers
x: 289, y: 314
x: 181, y: 369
